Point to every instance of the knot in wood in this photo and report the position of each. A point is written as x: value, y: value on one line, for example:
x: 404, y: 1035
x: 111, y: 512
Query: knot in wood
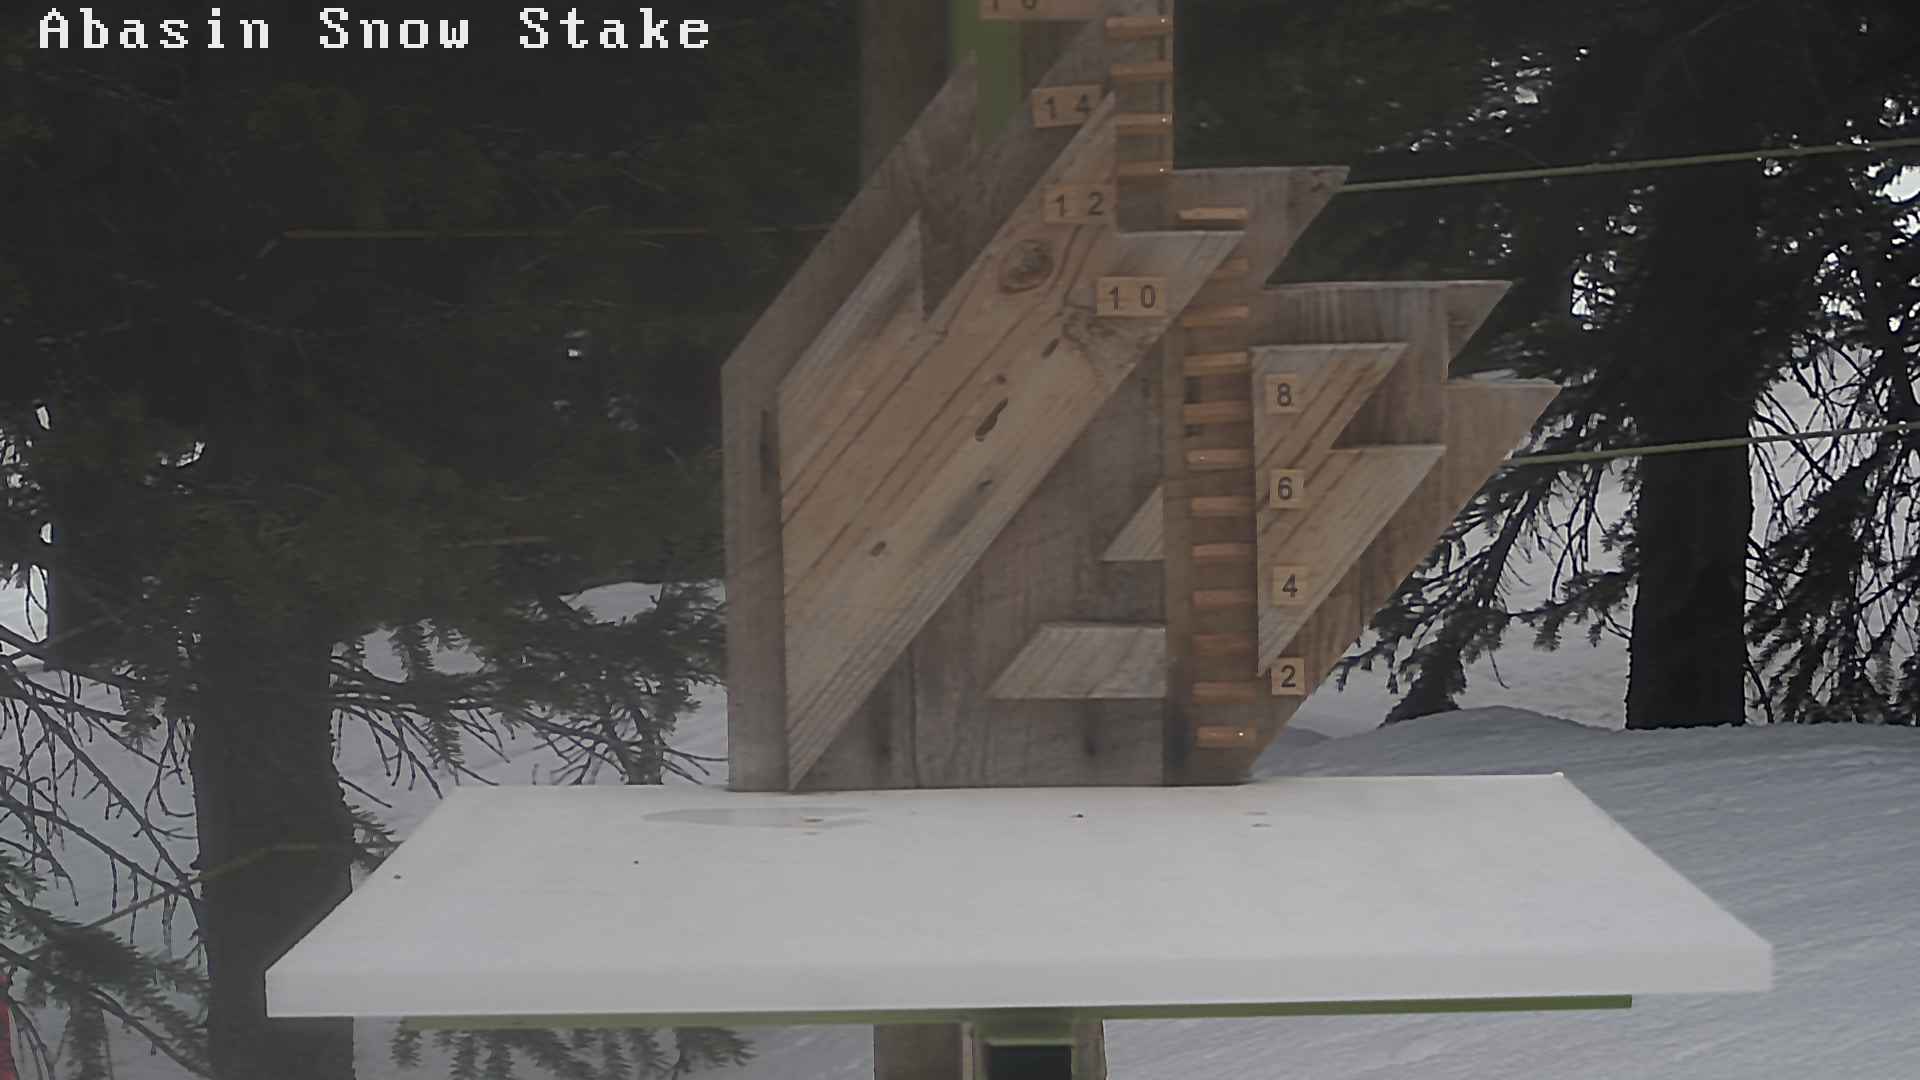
x: 1028, y: 266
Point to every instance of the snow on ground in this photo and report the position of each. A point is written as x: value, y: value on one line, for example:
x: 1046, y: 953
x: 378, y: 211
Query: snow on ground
x: 1809, y: 835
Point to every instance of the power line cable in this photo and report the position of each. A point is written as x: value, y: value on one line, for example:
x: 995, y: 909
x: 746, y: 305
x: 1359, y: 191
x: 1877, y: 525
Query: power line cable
x: 1524, y: 460
x: 1596, y: 168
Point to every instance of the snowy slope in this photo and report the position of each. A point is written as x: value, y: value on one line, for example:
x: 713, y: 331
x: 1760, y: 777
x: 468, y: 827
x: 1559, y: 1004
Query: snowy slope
x: 1807, y: 834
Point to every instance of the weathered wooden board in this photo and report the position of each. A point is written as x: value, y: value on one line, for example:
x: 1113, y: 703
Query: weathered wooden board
x: 1087, y: 662
x: 1334, y: 382
x: 995, y: 389
x: 756, y: 649
x: 1330, y: 384
x: 1143, y: 538
x: 1356, y: 492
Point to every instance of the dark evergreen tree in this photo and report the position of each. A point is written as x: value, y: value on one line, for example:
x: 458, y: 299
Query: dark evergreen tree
x: 1669, y: 303
x: 237, y: 455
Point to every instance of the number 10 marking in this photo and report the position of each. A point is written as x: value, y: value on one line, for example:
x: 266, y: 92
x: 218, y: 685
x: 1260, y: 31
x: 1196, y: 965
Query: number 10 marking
x: 1131, y: 297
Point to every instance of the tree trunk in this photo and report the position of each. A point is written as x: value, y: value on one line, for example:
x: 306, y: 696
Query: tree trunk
x: 903, y: 63
x: 263, y: 774
x: 1693, y: 356
x: 1688, y: 666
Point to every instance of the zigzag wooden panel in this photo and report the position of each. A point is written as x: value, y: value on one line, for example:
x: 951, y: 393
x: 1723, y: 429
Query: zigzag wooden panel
x: 1040, y: 483
x: 1088, y: 662
x: 964, y: 424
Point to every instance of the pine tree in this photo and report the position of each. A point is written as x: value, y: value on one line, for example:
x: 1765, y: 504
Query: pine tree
x: 238, y: 455
x: 1669, y: 304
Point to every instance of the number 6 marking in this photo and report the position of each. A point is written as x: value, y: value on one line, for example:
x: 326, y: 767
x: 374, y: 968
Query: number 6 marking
x: 1286, y: 489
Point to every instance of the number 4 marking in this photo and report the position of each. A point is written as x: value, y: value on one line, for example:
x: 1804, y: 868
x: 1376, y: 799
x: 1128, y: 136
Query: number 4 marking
x: 1289, y: 586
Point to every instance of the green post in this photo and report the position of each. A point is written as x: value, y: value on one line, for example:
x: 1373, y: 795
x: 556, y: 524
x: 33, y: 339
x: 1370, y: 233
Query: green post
x: 995, y: 47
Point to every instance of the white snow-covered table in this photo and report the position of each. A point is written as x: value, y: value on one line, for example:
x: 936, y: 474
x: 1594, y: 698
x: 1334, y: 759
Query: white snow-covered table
x: 595, y: 905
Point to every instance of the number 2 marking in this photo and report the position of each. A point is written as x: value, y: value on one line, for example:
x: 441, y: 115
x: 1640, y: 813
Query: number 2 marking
x: 1287, y: 678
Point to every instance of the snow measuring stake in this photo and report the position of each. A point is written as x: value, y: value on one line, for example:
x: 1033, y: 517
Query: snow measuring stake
x: 1037, y: 494
x: 1034, y: 480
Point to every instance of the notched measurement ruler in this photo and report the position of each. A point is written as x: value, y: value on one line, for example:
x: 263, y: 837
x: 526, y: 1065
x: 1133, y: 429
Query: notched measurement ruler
x: 1289, y: 586
x: 1289, y: 677
x: 1286, y: 489
x: 1130, y: 297
x: 1079, y: 204
x: 1018, y: 10
x: 1284, y: 395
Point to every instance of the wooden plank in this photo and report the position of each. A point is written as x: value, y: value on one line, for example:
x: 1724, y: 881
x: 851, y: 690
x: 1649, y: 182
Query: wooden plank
x: 1209, y: 693
x: 1200, y: 365
x: 1360, y: 491
x: 956, y: 735
x: 970, y: 431
x: 961, y: 208
x: 1214, y: 215
x: 836, y: 371
x: 1142, y: 71
x: 1138, y: 27
x: 1224, y: 645
x: 1486, y: 420
x: 1140, y: 540
x: 1328, y: 385
x: 1219, y: 315
x: 750, y: 380
x: 1144, y: 170
x: 1223, y: 599
x: 1222, y: 737
x: 1218, y: 412
x: 1219, y: 460
x: 1221, y: 506
x: 1144, y: 123
x: 1026, y: 10
x: 1087, y: 662
x: 1233, y: 269
x: 1280, y: 204
x: 1231, y: 553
